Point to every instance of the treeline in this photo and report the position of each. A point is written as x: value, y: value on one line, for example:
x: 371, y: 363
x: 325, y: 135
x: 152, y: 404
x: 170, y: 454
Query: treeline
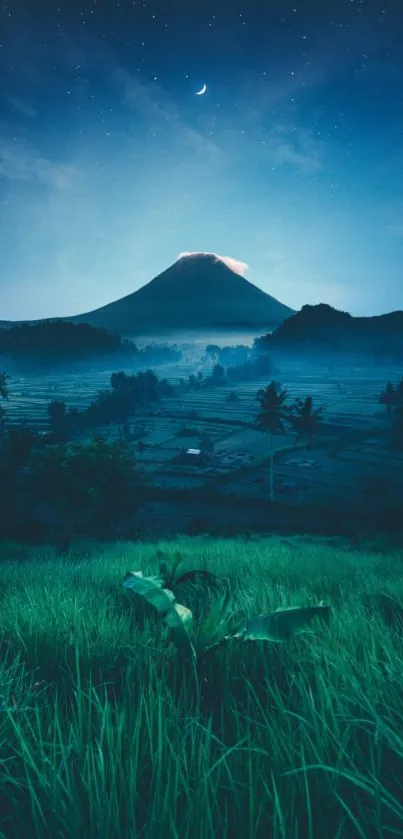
x: 254, y: 367
x: 127, y: 395
x: 61, y: 343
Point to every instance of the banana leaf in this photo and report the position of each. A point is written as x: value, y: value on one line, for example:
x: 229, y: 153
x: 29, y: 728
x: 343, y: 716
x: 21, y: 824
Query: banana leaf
x: 212, y: 628
x: 281, y: 625
x: 175, y: 616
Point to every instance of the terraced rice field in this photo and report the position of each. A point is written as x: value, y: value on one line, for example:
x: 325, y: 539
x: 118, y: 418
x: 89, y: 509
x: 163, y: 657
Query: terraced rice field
x: 352, y: 398
x: 351, y: 401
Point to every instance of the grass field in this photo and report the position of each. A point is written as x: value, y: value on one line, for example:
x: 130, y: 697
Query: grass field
x: 106, y: 733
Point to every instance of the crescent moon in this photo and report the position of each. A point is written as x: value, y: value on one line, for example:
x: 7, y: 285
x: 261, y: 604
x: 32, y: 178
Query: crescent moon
x: 202, y: 91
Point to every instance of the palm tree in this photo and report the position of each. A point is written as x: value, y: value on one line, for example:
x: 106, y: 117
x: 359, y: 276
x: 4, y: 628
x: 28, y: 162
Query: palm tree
x: 390, y: 397
x: 273, y: 412
x: 305, y: 419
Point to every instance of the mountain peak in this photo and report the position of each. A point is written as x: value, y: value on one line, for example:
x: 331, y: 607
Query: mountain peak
x: 199, y: 291
x: 209, y: 258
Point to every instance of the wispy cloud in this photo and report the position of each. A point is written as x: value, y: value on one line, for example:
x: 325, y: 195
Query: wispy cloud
x: 235, y: 264
x: 298, y: 149
x: 22, y: 106
x: 152, y: 103
x: 20, y: 162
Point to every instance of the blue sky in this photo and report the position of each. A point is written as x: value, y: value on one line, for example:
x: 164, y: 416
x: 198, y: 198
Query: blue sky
x: 110, y: 165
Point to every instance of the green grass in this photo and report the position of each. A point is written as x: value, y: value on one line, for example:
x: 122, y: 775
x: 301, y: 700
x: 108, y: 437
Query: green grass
x: 105, y: 733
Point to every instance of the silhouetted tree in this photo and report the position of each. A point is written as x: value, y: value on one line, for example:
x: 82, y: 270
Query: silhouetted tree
x: 273, y: 413
x: 305, y: 419
x: 212, y: 353
x: 390, y: 398
x: 218, y: 374
x: 3, y: 385
x: 128, y: 394
x: 261, y: 365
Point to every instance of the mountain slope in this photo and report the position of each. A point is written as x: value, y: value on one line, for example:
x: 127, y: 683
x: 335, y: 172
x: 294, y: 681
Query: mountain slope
x: 322, y: 328
x: 198, y: 291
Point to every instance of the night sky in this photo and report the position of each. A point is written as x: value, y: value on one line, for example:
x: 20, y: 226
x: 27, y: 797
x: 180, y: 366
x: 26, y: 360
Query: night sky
x: 111, y: 165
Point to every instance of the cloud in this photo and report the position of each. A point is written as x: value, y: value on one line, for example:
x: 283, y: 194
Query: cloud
x: 20, y: 162
x: 234, y: 264
x: 23, y: 107
x: 154, y: 105
x: 301, y: 153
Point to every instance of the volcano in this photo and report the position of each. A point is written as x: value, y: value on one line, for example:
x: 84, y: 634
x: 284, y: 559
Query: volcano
x: 198, y: 292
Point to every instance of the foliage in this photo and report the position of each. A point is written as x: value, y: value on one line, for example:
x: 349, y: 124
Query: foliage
x: 260, y: 365
x: 212, y: 352
x: 177, y: 618
x: 269, y: 740
x: 53, y: 488
x: 233, y: 356
x: 49, y: 343
x: 304, y: 418
x: 157, y: 590
x: 58, y: 342
x: 273, y: 412
x: 273, y: 408
x: 127, y: 395
x: 88, y: 487
x: 392, y: 398
x: 281, y: 625
x: 218, y: 374
x: 159, y: 354
x: 389, y: 397
x: 4, y: 385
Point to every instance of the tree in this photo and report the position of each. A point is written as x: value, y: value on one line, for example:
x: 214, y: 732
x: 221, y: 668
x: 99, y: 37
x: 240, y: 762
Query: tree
x: 212, y: 352
x: 3, y: 385
x: 218, y: 374
x: 390, y: 398
x: 305, y: 419
x: 273, y: 412
x: 86, y: 488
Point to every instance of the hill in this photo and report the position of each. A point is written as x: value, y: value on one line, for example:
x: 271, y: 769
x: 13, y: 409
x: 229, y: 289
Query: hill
x: 321, y: 327
x: 197, y: 292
